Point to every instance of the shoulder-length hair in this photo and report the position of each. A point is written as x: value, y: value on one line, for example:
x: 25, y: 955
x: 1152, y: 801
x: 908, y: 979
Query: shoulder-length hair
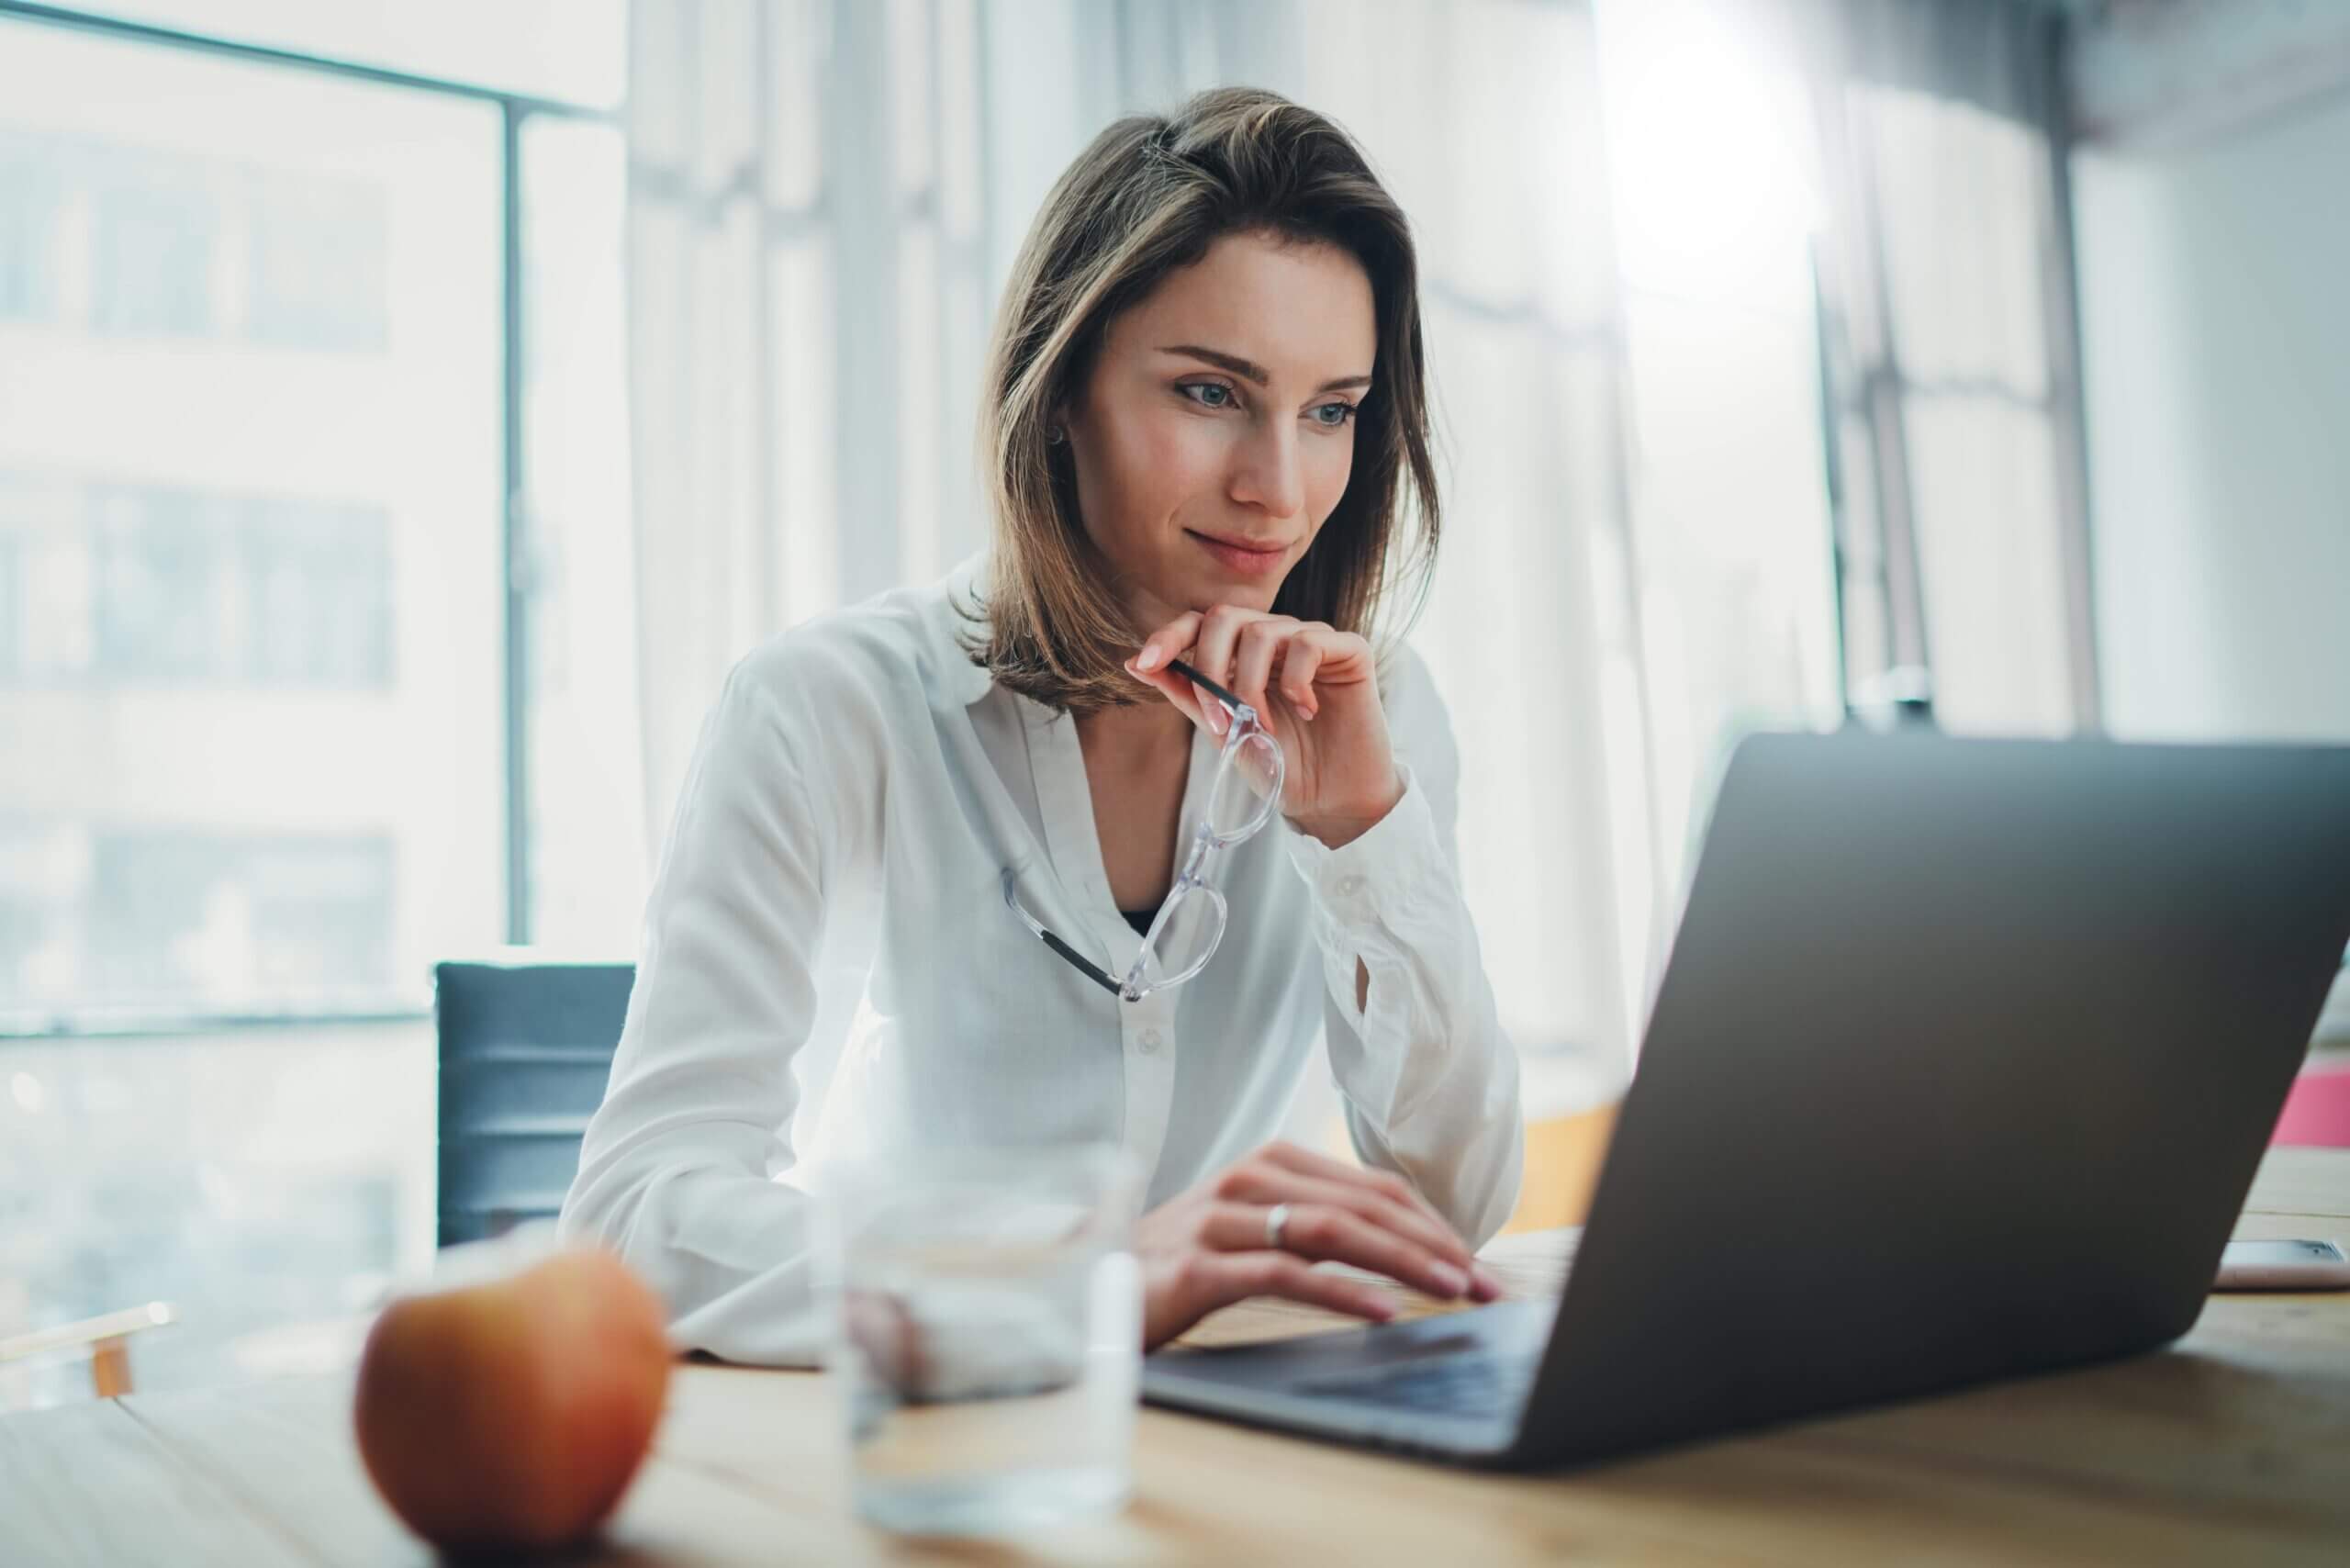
x: 1150, y: 196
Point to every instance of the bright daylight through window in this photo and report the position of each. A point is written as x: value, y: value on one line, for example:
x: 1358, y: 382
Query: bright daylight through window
x: 254, y: 561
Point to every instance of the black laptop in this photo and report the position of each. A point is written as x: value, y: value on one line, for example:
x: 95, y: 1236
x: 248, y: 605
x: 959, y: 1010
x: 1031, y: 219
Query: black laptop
x: 1961, y: 1067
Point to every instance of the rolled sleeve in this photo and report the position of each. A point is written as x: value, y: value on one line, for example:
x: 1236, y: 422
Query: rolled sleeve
x: 1428, y: 1077
x: 1385, y: 900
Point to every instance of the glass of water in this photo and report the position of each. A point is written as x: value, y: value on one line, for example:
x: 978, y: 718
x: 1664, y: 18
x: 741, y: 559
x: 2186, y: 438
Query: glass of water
x: 986, y: 1343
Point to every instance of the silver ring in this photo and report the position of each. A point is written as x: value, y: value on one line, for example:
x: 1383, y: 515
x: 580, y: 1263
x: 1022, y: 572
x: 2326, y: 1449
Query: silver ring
x: 1276, y: 1219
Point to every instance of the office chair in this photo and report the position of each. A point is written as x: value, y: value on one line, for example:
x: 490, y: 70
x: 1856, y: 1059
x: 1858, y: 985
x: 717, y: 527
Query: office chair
x: 525, y: 1052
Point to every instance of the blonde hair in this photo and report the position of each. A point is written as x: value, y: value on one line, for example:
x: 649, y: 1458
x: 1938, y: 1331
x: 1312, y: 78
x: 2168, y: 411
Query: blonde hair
x: 1148, y: 199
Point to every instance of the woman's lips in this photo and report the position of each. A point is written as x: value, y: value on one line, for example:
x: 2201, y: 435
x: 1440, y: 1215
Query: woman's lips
x: 1240, y: 559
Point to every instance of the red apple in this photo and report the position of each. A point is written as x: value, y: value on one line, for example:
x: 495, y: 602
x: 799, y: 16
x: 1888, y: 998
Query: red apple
x: 513, y: 1415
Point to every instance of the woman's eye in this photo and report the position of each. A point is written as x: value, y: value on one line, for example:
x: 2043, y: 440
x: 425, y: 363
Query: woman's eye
x: 1208, y: 394
x: 1331, y: 416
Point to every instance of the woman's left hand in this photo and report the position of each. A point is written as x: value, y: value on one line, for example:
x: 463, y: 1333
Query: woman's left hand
x: 1314, y: 688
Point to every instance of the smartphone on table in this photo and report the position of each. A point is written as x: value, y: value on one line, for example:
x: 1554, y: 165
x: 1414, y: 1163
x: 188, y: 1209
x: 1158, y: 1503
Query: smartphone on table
x: 2300, y: 1265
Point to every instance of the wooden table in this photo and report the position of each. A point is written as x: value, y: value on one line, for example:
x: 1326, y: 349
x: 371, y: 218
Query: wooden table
x: 2232, y: 1447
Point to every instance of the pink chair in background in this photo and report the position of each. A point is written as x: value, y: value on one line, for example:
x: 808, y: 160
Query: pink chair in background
x: 2317, y: 1111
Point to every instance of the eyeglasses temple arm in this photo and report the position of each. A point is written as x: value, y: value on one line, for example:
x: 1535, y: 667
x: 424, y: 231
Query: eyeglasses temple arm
x: 1084, y: 966
x: 1178, y: 667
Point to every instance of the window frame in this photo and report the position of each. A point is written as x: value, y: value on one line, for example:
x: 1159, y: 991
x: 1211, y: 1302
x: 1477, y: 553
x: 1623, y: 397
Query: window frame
x: 514, y: 110
x: 1876, y: 397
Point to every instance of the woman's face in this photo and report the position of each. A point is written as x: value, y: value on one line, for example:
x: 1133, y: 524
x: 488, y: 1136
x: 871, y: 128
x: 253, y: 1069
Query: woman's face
x: 1218, y: 428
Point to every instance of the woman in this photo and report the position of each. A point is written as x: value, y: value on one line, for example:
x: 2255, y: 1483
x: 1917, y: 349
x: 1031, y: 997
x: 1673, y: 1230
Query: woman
x: 1205, y: 426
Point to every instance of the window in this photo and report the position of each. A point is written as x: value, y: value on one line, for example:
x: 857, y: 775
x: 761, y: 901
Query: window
x: 257, y: 632
x: 565, y: 50
x: 314, y: 628
x: 585, y: 837
x: 287, y: 719
x: 29, y: 195
x: 1961, y: 191
x: 213, y: 592
x: 317, y: 280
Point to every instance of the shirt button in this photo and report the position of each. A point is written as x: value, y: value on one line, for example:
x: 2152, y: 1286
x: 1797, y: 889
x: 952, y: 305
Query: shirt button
x: 1150, y: 1040
x: 1349, y: 886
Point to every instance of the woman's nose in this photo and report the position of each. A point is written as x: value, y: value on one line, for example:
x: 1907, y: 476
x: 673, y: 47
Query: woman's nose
x: 1267, y: 472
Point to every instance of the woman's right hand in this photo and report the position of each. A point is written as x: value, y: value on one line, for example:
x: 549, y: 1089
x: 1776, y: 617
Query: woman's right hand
x: 1207, y: 1248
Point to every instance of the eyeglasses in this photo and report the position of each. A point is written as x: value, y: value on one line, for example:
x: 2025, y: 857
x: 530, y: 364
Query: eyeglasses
x: 1184, y: 934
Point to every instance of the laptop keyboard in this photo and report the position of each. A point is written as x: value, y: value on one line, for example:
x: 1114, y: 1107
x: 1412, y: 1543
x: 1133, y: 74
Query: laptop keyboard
x: 1451, y: 1385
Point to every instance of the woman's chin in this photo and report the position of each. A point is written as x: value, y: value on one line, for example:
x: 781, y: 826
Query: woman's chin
x: 1173, y: 593
x: 1204, y: 591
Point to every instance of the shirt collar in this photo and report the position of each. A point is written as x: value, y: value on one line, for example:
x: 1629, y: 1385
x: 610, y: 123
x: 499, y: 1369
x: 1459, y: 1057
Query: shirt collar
x: 962, y: 681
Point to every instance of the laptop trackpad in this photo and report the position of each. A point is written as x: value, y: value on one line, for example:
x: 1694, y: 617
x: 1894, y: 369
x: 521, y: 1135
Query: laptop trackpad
x: 1510, y: 1329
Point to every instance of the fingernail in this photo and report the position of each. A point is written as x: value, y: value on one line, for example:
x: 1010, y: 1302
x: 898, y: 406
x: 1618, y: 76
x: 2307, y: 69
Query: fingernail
x: 1488, y: 1287
x: 1216, y: 719
x: 1452, y: 1280
x: 1148, y: 657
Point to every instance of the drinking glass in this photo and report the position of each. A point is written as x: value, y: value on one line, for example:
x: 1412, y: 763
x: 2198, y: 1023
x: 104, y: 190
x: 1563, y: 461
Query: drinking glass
x: 986, y: 1344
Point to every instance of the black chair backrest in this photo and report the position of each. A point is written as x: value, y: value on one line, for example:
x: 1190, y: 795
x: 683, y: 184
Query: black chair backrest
x: 526, y: 1050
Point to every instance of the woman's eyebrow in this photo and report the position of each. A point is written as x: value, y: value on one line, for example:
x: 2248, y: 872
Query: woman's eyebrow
x: 1249, y: 370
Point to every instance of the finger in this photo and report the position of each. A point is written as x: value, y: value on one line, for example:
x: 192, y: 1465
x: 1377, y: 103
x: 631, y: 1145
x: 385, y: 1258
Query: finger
x: 890, y: 1341
x: 1329, y: 1233
x: 1167, y: 642
x: 1178, y: 691
x: 1219, y: 632
x: 1305, y: 1162
x: 1236, y: 1276
x: 1406, y: 1220
x: 1252, y: 667
x: 1300, y: 660
x: 1339, y: 656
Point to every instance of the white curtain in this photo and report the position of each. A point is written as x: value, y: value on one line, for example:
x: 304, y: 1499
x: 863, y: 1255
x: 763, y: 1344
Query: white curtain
x: 806, y: 313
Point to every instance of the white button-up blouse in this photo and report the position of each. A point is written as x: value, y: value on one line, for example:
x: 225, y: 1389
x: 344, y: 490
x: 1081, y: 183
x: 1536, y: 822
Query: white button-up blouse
x: 864, y: 760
